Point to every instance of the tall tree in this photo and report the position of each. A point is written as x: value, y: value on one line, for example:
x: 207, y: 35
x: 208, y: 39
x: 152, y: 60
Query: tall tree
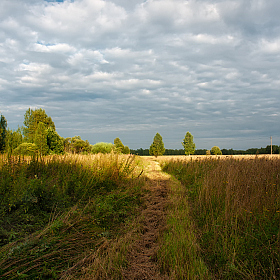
x: 3, y: 132
x: 188, y: 144
x: 118, y: 145
x: 41, y: 139
x: 31, y: 120
x: 157, y: 147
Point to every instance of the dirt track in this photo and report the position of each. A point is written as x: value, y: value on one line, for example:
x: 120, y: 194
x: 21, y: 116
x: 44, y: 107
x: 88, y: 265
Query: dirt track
x: 143, y: 257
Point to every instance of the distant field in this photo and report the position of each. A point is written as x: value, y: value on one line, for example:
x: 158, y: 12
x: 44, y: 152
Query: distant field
x: 202, y: 157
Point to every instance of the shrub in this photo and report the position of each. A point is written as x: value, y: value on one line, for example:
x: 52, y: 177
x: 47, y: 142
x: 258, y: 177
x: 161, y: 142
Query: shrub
x: 26, y: 149
x: 102, y: 147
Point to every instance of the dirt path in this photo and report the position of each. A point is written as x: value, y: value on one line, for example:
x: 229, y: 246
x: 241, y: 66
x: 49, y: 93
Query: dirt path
x: 143, y: 262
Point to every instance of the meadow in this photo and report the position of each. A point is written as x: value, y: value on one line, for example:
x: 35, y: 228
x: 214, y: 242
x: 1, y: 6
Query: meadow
x: 231, y: 213
x: 79, y: 217
x: 60, y: 214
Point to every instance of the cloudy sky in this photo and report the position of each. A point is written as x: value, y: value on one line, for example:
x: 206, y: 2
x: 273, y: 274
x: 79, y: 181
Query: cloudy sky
x: 132, y: 68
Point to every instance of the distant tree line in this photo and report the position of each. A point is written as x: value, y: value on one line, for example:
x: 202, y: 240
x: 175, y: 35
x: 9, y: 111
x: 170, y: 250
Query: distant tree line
x: 175, y: 152
x: 38, y: 136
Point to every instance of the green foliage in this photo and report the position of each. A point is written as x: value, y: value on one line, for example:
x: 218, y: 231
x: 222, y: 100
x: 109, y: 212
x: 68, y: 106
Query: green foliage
x: 40, y: 139
x: 188, y: 144
x: 235, y: 207
x: 215, y: 151
x: 118, y: 145
x: 32, y: 118
x: 54, y: 141
x: 3, y: 132
x: 13, y: 140
x: 126, y: 150
x: 79, y: 146
x: 28, y: 149
x: 57, y: 212
x: 157, y: 147
x: 102, y: 147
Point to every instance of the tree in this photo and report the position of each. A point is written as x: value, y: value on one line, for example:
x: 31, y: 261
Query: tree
x: 216, y: 151
x: 32, y: 118
x: 41, y: 139
x: 54, y: 141
x: 3, y: 132
x: 102, y: 147
x: 188, y: 144
x: 126, y: 150
x: 79, y: 146
x: 157, y: 147
x: 118, y: 145
x: 13, y: 140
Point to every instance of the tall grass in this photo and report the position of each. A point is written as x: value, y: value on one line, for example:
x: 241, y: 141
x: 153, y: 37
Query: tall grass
x: 55, y: 212
x: 235, y: 204
x: 179, y: 252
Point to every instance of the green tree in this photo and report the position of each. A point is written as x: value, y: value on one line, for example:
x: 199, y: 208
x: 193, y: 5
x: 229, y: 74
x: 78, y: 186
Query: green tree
x: 216, y: 151
x: 54, y: 141
x: 79, y: 146
x: 3, y: 132
x: 32, y: 118
x: 118, y: 145
x: 157, y: 147
x: 126, y: 150
x: 41, y: 139
x: 13, y: 140
x: 188, y: 144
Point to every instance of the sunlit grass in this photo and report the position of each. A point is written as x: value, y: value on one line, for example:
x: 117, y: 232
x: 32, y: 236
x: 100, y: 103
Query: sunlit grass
x: 235, y: 204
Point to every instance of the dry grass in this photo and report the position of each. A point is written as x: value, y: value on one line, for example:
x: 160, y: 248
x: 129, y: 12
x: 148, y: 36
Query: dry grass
x: 235, y: 203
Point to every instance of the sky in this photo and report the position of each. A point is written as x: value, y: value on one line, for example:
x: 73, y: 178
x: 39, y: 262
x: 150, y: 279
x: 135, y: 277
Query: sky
x: 129, y: 69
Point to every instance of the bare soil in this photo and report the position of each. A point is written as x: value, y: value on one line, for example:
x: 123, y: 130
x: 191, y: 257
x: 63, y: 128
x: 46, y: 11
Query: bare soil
x: 143, y: 256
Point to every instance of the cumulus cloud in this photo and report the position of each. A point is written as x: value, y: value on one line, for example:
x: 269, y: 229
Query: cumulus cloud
x: 128, y: 69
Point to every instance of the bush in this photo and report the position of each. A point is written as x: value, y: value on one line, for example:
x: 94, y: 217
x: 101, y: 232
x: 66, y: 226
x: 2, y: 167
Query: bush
x: 26, y: 149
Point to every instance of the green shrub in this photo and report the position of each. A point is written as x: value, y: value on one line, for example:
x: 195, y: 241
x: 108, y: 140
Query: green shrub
x: 102, y: 147
x: 27, y: 149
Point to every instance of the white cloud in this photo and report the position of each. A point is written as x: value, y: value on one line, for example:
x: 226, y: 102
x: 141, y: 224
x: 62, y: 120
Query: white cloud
x: 174, y: 65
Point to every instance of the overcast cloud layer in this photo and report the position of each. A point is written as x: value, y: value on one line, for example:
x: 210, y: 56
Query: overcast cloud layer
x: 129, y: 69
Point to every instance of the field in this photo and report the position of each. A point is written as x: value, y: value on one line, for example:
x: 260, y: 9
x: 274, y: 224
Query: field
x: 124, y: 217
x: 233, y: 210
x: 58, y: 214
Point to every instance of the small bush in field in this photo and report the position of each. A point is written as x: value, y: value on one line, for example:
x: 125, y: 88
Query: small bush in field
x: 102, y: 147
